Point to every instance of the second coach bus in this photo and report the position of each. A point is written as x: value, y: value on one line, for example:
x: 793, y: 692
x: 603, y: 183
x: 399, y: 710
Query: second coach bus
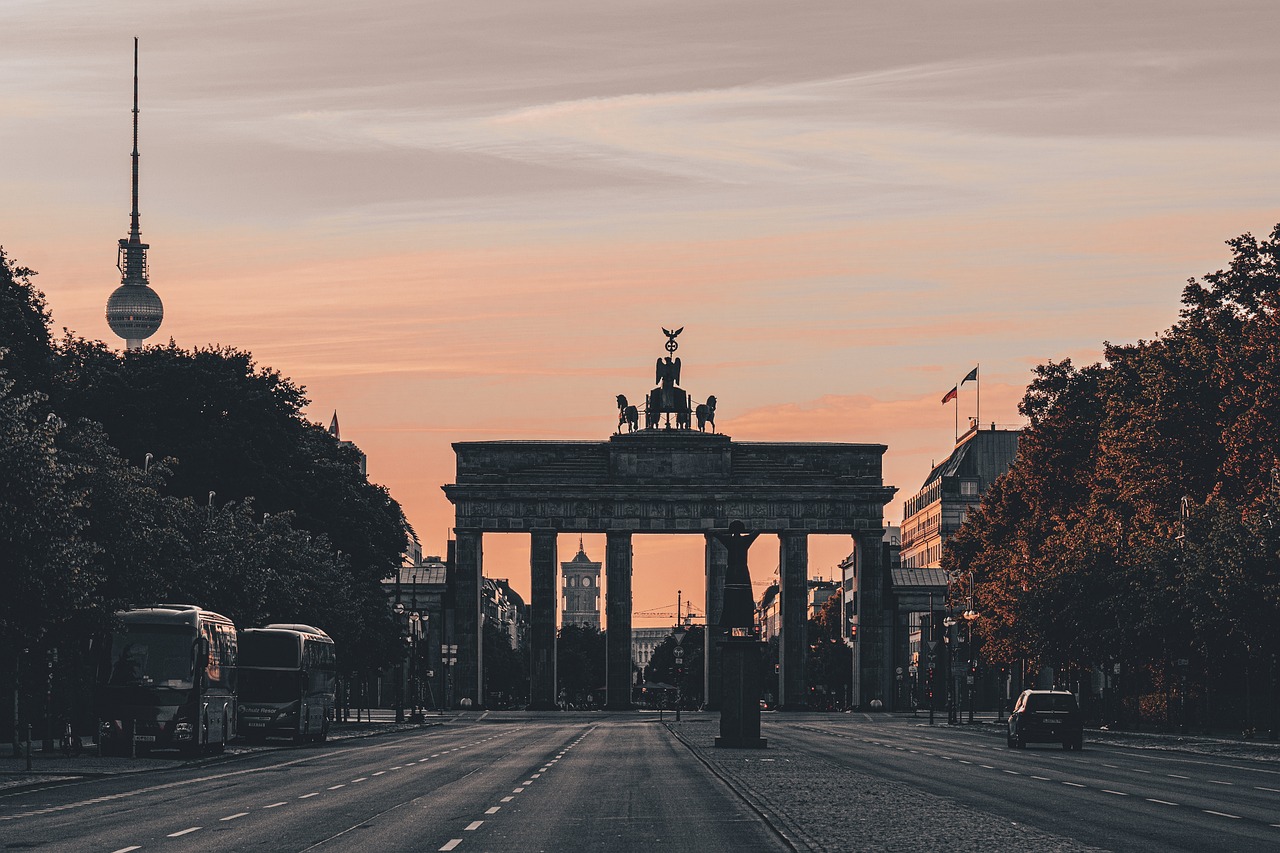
x: 287, y: 682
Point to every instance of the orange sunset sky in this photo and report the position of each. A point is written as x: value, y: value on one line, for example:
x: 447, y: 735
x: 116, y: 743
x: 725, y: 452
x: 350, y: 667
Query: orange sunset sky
x: 470, y: 221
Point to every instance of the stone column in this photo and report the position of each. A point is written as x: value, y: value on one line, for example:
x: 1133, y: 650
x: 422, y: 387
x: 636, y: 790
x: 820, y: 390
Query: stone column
x: 874, y: 629
x: 793, y: 607
x: 716, y: 561
x: 468, y: 583
x: 617, y: 569
x: 542, y: 620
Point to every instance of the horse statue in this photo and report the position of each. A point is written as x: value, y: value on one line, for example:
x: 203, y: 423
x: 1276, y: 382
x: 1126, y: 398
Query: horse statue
x: 707, y: 414
x: 628, y: 415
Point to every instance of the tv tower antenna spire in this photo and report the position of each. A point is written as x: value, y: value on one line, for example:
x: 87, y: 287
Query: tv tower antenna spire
x: 134, y: 310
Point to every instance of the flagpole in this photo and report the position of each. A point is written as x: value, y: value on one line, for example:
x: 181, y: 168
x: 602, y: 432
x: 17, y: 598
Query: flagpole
x: 957, y: 402
x: 977, y: 418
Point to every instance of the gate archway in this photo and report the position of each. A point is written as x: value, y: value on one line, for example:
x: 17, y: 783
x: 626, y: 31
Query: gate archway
x: 668, y: 481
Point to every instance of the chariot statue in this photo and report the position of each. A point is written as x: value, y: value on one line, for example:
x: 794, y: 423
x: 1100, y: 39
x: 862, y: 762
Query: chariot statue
x: 667, y: 406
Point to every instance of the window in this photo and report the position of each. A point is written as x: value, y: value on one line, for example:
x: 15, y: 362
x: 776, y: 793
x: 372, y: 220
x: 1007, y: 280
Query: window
x: 969, y: 488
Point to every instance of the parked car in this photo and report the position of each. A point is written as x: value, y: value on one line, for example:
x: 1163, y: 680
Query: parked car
x: 1046, y: 716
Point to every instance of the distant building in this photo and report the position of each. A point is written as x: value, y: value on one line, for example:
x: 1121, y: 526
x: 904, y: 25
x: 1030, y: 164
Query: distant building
x: 643, y: 643
x: 417, y: 596
x: 336, y: 433
x: 929, y: 519
x: 935, y: 513
x: 504, y: 607
x: 581, y: 591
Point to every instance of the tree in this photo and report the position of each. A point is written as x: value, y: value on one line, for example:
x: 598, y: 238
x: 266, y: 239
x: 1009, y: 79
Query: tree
x: 580, y: 662
x: 686, y: 676
x: 1130, y: 529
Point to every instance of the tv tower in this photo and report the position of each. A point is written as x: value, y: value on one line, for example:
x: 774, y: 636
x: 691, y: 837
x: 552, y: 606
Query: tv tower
x: 134, y: 310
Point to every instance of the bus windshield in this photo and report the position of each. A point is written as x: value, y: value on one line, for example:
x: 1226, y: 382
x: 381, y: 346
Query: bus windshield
x: 269, y: 650
x: 265, y: 685
x: 153, y: 655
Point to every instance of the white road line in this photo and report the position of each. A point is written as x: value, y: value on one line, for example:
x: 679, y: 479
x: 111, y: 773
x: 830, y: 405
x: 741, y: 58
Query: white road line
x: 1272, y: 790
x: 527, y: 782
x: 493, y: 810
x: 1176, y: 776
x: 474, y: 825
x: 517, y: 790
x: 1042, y: 778
x: 1136, y: 770
x: 379, y: 772
x: 1216, y: 782
x: 535, y: 775
x: 308, y: 796
x: 186, y: 831
x: 1161, y: 802
x: 1221, y: 814
x: 1112, y: 766
x: 336, y: 787
x: 361, y: 779
x: 274, y: 806
x: 1075, y: 784
x: 397, y: 767
x: 233, y: 816
x: 1013, y: 772
x: 506, y: 799
x: 420, y: 760
x: 1117, y: 793
x: 986, y: 766
x: 451, y: 843
x: 127, y: 849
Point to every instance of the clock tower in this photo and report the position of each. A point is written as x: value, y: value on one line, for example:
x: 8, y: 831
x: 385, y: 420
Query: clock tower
x: 581, y: 598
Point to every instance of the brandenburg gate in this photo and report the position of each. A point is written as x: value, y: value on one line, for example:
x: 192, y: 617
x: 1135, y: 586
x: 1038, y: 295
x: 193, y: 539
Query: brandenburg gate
x: 669, y: 479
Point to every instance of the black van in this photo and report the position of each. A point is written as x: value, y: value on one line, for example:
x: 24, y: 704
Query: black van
x: 1046, y: 716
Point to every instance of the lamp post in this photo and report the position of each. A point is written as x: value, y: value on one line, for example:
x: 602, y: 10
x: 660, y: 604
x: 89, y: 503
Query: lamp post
x: 400, y: 614
x: 949, y: 638
x: 679, y: 633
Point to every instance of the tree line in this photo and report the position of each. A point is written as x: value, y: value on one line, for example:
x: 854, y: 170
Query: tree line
x: 1135, y: 537
x: 170, y: 475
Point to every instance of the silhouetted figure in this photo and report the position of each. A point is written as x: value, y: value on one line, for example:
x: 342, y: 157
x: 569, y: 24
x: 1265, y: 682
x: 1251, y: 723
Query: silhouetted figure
x: 739, y: 603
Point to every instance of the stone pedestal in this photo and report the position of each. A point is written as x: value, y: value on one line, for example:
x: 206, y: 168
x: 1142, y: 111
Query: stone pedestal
x: 740, y: 694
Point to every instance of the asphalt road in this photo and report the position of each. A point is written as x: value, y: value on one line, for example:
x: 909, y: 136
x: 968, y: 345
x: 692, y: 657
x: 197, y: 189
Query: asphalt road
x: 554, y: 784
x: 1109, y: 797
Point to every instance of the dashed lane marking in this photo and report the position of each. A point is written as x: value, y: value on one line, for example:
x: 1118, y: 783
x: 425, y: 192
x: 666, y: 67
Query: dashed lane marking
x: 233, y: 816
x: 379, y: 772
x: 1013, y: 772
x: 1216, y: 782
x: 1176, y: 776
x: 183, y: 832
x: 1075, y: 784
x: 274, y: 805
x: 1272, y: 790
x: 986, y: 766
x: 128, y: 849
x: 1161, y: 802
x: 308, y: 796
x: 493, y: 810
x: 1117, y: 793
x: 1042, y: 778
x: 361, y: 779
x: 336, y: 787
x: 474, y: 825
x: 517, y: 790
x: 451, y: 843
x: 1221, y: 814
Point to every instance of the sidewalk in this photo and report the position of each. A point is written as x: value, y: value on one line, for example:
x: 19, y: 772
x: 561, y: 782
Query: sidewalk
x: 53, y: 767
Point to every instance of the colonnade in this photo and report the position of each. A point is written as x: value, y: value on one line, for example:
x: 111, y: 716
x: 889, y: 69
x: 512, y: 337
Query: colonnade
x: 793, y: 561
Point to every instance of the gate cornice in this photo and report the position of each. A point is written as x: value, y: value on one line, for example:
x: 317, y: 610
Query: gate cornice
x: 677, y: 482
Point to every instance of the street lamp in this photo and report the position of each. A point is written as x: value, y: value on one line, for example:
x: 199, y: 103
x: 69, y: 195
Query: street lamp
x: 949, y: 623
x: 399, y: 610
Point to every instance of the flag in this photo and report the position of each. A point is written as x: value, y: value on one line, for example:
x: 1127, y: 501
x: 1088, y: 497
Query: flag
x: 950, y: 395
x: 972, y: 376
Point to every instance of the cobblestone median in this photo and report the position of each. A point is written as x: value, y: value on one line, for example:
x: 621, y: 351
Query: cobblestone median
x: 821, y: 806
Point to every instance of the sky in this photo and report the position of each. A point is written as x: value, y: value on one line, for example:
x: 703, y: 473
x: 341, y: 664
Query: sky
x: 471, y: 221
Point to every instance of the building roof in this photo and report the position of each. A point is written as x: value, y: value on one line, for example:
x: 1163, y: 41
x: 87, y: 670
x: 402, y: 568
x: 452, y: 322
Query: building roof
x: 980, y: 453
x: 920, y: 578
x: 425, y: 574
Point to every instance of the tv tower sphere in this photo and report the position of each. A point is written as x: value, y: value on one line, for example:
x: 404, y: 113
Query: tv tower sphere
x: 134, y: 310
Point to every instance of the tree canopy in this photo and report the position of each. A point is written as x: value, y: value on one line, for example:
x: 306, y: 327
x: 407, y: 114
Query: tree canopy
x: 1135, y: 524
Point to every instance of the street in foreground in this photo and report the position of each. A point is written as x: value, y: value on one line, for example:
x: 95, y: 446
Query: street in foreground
x: 568, y: 782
